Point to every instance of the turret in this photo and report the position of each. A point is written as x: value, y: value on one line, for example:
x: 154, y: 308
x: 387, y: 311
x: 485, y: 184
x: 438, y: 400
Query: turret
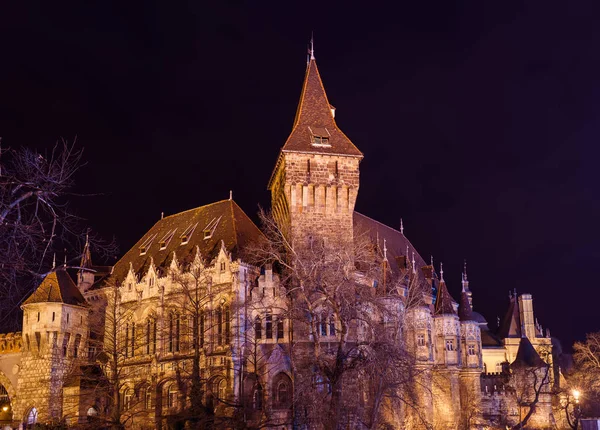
x: 447, y: 325
x: 55, y: 335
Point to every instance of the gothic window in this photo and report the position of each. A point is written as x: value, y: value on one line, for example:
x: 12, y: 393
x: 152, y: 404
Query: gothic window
x: 323, y: 325
x: 222, y: 389
x: 172, y: 396
x: 171, y: 322
x: 282, y: 386
x: 201, y: 329
x: 132, y: 339
x: 32, y: 417
x: 222, y: 267
x: 227, y: 326
x: 280, y: 327
x: 127, y: 399
x: 471, y: 349
x: 177, y: 333
x: 449, y: 345
x: 331, y: 326
x: 151, y: 281
x: 269, y: 326
x: 421, y: 339
x: 257, y: 397
x: 257, y: 328
x: 219, y: 325
x: 148, y: 335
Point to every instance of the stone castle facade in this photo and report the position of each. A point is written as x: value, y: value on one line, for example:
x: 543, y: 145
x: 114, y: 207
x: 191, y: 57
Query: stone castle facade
x: 143, y: 316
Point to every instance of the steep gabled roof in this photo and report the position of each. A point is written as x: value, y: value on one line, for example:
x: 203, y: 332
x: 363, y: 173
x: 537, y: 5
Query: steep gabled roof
x: 57, y: 287
x: 511, y: 323
x: 396, y: 242
x: 527, y: 356
x: 224, y: 221
x: 315, y: 113
x: 444, y: 304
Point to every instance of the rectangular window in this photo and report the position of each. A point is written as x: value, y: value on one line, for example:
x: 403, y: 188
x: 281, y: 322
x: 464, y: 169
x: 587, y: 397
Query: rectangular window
x: 471, y: 349
x: 449, y: 345
x: 132, y: 339
x: 76, y: 345
x: 421, y: 339
x: 148, y: 335
x: 177, y: 333
x: 331, y: 327
x: 280, y: 327
x: 269, y: 326
x: 323, y: 326
x: 257, y: 328
x: 53, y: 314
x: 66, y: 343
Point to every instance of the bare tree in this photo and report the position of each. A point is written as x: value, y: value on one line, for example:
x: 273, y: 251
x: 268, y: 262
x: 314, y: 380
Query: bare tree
x: 35, y: 220
x: 530, y: 386
x: 346, y: 309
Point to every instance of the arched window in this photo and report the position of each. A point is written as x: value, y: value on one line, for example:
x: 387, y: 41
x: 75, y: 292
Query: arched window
x: 269, y: 326
x: 257, y: 328
x: 257, y: 397
x: 220, y: 389
x: 127, y: 398
x: 279, y: 327
x: 32, y: 417
x: 282, y: 391
x: 227, y: 326
x: 219, y: 325
x: 172, y: 396
x: 201, y: 329
x: 171, y: 322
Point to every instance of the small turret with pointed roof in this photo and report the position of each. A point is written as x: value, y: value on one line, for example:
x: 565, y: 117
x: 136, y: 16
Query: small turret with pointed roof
x: 444, y: 304
x: 465, y: 285
x: 527, y: 356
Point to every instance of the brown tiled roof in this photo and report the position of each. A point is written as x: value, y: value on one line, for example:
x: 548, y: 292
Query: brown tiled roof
x: 395, y: 241
x: 57, y: 287
x: 234, y: 228
x: 527, y: 356
x: 314, y: 111
x: 489, y: 339
x: 444, y: 304
x: 511, y: 323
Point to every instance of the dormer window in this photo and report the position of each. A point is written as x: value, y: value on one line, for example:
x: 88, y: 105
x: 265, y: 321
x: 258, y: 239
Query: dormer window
x: 166, y: 239
x: 320, y: 137
x: 210, y: 228
x: 187, y: 234
x: 146, y: 244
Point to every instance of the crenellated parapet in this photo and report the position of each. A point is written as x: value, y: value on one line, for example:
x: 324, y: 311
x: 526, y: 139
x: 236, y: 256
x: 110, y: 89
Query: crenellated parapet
x: 10, y: 342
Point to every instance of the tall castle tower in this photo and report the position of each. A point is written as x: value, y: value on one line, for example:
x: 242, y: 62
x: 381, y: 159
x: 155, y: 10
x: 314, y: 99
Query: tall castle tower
x: 55, y: 333
x: 316, y: 178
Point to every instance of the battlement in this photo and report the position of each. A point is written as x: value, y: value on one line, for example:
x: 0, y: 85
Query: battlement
x: 493, y: 383
x: 10, y: 342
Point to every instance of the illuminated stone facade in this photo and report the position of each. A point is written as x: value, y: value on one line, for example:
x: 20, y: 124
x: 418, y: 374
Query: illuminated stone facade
x: 57, y: 368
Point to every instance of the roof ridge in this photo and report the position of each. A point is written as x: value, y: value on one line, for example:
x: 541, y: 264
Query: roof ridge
x: 192, y: 209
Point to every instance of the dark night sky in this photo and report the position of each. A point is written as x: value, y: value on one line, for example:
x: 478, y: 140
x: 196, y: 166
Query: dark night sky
x: 478, y: 122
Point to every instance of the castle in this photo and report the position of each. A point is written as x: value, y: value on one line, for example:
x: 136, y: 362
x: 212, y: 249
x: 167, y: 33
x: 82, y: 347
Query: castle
x: 137, y: 312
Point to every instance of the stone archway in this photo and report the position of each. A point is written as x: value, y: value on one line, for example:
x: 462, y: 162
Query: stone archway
x: 7, y: 400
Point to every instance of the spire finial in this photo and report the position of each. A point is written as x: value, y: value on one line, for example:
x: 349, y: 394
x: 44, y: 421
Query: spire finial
x: 441, y: 271
x: 312, y: 46
x: 401, y: 226
x: 230, y: 194
x: 413, y: 262
x: 54, y: 261
x: 432, y: 261
x: 65, y: 258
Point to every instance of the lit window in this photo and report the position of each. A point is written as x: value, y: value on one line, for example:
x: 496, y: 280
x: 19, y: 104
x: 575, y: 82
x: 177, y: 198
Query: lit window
x: 210, y: 228
x: 187, y: 234
x: 146, y: 244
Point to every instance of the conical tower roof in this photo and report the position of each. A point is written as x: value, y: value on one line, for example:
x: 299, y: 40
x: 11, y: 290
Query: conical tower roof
x: 465, y: 313
x: 57, y: 287
x: 527, y: 356
x: 444, y: 303
x: 314, y: 117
